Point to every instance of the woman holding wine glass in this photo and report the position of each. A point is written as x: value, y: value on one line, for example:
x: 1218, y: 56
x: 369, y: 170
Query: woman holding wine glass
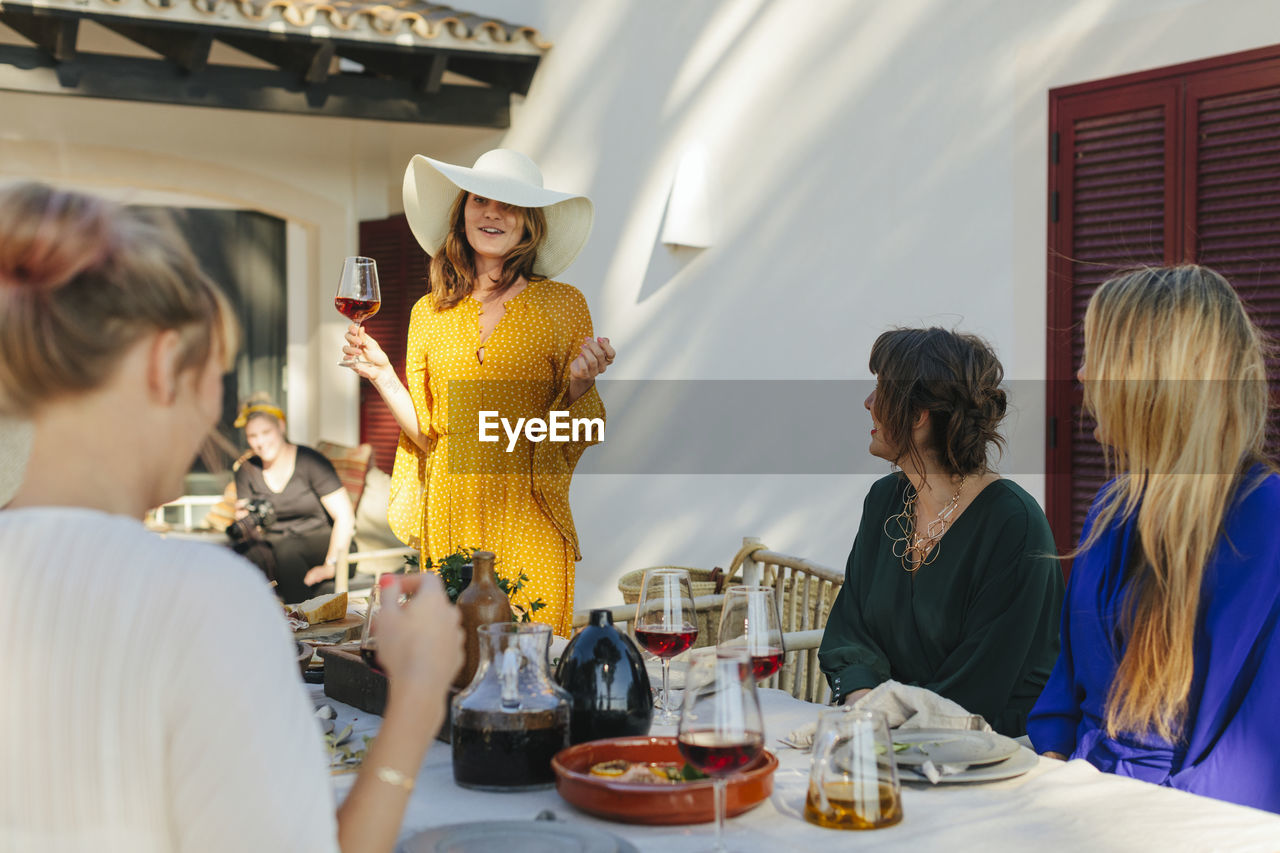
x: 147, y: 725
x: 494, y: 333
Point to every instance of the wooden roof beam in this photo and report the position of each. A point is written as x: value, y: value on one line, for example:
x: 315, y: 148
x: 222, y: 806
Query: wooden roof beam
x: 310, y: 60
x: 32, y: 70
x: 54, y: 34
x: 431, y: 81
x: 424, y: 72
x: 510, y: 73
x: 187, y: 50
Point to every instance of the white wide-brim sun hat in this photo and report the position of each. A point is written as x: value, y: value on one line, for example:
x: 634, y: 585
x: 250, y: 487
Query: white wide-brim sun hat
x: 430, y: 187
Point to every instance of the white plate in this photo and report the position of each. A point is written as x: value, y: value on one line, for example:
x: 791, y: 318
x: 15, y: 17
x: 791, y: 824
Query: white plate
x: 526, y: 836
x: 952, y: 746
x: 1019, y: 763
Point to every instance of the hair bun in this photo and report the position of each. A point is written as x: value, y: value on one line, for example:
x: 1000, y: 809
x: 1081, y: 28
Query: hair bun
x: 73, y: 234
x: 955, y: 377
x: 82, y: 279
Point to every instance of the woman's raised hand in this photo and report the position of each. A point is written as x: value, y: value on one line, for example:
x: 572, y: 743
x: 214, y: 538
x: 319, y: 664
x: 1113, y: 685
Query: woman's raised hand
x: 420, y: 643
x: 360, y: 345
x: 593, y: 359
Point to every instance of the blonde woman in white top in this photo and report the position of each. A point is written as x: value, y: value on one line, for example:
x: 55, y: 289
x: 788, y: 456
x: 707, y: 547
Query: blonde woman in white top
x: 150, y: 701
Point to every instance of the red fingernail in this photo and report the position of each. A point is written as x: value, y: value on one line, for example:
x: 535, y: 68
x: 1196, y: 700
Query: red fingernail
x: 385, y: 581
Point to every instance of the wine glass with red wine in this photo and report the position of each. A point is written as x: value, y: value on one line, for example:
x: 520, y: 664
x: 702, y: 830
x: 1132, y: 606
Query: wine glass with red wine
x: 666, y: 625
x: 749, y: 623
x: 721, y: 730
x: 359, y: 297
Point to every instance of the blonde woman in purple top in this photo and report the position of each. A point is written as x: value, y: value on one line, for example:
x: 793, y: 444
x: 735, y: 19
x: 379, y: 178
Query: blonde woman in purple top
x: 1170, y: 662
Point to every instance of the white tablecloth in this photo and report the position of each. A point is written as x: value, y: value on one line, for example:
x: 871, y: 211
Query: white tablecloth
x: 1056, y: 806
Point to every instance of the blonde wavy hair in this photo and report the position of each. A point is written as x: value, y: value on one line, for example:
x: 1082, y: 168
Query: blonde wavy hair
x: 451, y: 274
x: 1174, y: 374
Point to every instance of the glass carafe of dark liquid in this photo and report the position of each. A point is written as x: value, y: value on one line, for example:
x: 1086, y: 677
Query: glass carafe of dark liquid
x: 512, y: 719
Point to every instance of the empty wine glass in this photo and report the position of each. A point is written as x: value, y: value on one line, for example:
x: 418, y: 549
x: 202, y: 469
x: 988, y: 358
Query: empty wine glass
x: 749, y: 623
x: 721, y: 730
x: 368, y: 632
x: 359, y: 296
x: 666, y: 624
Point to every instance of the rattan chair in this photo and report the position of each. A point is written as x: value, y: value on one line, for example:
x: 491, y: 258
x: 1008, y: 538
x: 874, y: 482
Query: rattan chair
x: 805, y: 592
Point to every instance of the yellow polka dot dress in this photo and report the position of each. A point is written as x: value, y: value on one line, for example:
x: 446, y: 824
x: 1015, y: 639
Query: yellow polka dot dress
x: 476, y: 493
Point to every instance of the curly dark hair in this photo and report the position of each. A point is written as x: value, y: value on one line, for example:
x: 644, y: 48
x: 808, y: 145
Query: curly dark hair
x: 954, y: 377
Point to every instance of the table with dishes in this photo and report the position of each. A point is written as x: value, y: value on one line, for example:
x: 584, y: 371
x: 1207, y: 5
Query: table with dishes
x: 1054, y: 805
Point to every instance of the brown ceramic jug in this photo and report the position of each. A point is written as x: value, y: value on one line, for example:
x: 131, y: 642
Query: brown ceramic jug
x: 482, y: 603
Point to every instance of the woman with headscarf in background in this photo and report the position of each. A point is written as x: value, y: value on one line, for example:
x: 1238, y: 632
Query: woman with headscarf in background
x: 311, y: 519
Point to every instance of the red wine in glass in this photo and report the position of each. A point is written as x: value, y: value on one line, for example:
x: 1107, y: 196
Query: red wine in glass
x: 749, y: 625
x: 765, y: 665
x: 721, y: 729
x: 667, y: 643
x: 719, y: 755
x: 357, y: 310
x: 666, y: 624
x: 359, y: 297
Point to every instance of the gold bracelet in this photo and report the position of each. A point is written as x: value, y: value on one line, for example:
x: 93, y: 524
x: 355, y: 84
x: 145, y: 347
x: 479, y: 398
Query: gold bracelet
x: 392, y: 776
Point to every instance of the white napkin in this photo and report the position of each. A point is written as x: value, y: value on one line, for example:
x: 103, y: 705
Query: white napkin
x: 935, y: 772
x: 907, y: 707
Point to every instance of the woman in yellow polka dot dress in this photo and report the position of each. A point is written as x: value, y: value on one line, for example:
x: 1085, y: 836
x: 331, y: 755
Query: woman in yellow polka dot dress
x: 493, y: 334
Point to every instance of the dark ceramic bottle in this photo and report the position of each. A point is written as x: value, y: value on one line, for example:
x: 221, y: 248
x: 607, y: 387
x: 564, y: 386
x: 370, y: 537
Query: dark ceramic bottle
x: 604, y: 673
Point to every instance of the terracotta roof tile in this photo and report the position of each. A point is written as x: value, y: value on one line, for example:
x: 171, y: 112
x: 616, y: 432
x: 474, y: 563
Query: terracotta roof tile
x: 401, y: 21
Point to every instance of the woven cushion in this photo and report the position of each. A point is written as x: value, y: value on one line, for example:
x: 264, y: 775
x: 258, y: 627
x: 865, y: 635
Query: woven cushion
x: 351, y: 463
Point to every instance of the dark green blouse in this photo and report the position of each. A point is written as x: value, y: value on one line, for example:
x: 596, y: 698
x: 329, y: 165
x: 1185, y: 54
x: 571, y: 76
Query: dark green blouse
x: 978, y: 625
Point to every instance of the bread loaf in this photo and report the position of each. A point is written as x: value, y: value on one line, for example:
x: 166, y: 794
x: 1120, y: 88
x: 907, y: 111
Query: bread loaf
x: 322, y: 608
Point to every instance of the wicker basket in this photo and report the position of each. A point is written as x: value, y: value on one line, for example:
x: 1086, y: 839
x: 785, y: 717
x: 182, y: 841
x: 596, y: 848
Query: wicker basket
x: 702, y: 583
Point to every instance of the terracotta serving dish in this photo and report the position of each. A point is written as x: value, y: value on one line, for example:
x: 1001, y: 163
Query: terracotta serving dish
x: 636, y: 802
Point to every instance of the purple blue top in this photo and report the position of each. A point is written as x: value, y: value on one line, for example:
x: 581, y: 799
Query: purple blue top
x: 1230, y: 746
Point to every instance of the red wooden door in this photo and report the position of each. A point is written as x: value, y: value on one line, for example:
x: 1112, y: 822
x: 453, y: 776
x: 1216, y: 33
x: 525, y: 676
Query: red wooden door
x: 402, y: 276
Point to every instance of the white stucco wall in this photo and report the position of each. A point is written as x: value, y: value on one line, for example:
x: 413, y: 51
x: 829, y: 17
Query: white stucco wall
x: 873, y: 163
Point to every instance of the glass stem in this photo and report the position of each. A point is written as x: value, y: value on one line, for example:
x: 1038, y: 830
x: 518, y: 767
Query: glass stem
x: 666, y: 687
x: 719, y: 787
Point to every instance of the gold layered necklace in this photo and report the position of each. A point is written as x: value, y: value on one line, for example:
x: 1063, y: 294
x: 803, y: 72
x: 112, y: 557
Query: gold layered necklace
x: 919, y: 549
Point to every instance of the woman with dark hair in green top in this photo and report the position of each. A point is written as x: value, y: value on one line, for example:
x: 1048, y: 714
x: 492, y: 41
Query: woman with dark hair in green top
x: 952, y: 583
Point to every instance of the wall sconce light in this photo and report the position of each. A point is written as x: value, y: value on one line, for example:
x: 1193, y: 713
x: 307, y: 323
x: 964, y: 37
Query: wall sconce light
x: 688, y: 221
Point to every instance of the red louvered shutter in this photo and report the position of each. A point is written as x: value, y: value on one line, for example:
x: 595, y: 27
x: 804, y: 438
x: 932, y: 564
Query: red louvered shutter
x: 1114, y: 197
x: 1233, y: 220
x: 402, y: 276
x: 1158, y: 167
